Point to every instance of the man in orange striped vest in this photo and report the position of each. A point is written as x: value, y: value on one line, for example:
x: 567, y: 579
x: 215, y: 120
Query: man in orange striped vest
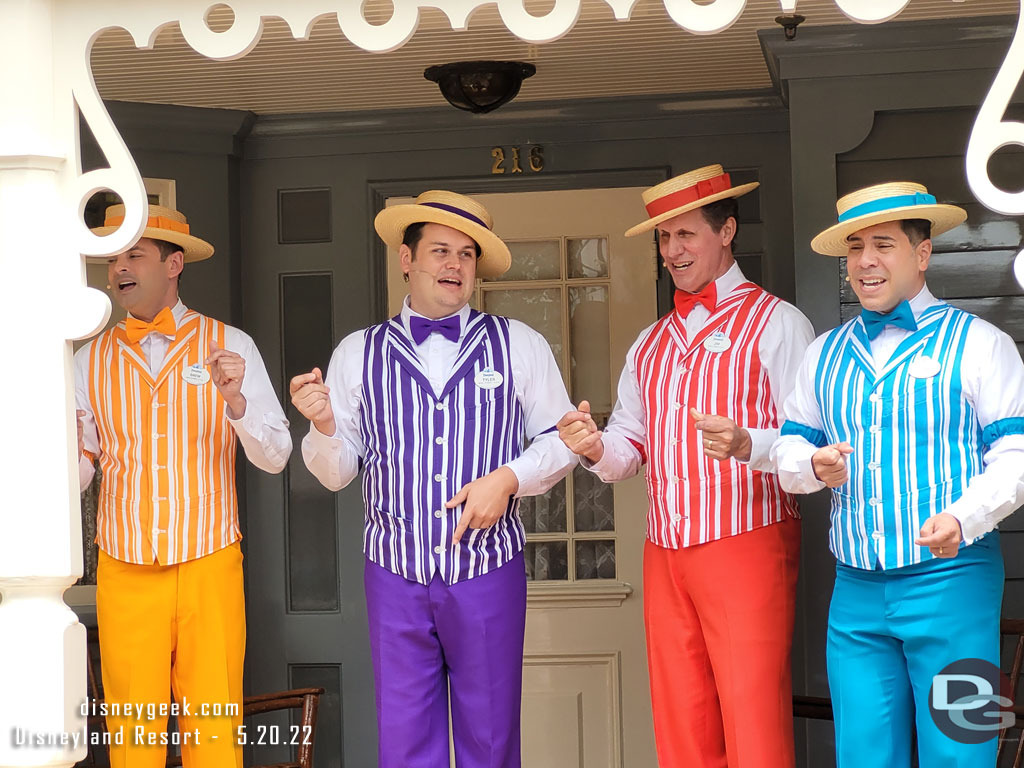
x: 700, y: 402
x: 162, y: 397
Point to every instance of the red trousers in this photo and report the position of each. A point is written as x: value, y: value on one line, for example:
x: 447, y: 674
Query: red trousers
x: 719, y: 620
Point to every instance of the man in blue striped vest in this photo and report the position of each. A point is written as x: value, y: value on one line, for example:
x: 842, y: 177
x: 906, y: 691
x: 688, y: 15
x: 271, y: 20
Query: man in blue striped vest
x: 913, y: 414
x: 436, y: 404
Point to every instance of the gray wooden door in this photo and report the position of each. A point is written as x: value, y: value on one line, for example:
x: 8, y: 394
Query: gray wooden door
x: 305, y: 606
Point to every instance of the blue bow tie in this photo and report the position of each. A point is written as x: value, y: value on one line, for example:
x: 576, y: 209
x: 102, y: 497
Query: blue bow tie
x: 422, y: 327
x: 901, y: 317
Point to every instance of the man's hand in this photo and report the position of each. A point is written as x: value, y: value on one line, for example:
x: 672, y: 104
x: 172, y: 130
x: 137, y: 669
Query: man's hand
x: 580, y: 434
x: 227, y: 369
x: 722, y: 438
x: 312, y: 398
x: 486, y: 500
x: 829, y: 464
x: 941, y: 534
x: 79, y: 415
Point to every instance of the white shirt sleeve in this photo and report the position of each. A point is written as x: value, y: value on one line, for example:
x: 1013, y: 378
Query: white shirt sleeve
x: 334, y: 459
x: 263, y: 429
x: 541, y: 392
x: 782, y: 346
x: 86, y: 468
x: 627, y: 426
x: 792, y: 453
x: 993, y: 379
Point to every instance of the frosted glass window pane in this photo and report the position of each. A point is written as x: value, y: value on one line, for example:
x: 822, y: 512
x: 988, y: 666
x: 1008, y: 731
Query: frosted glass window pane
x: 588, y: 257
x: 547, y: 561
x: 545, y: 514
x: 595, y: 560
x: 536, y: 260
x: 588, y: 328
x: 593, y: 502
x: 541, y: 309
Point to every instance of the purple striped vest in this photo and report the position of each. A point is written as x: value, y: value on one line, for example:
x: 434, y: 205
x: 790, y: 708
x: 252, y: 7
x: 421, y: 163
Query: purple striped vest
x: 421, y: 450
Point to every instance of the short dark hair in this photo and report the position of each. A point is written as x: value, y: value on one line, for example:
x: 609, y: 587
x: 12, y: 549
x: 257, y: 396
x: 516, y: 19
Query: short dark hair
x: 414, y: 233
x: 916, y: 230
x: 719, y: 212
x: 166, y: 249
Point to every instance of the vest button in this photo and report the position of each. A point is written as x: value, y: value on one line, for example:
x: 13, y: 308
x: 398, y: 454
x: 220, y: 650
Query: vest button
x: 875, y: 429
x: 439, y: 406
x: 438, y: 514
x: 876, y: 535
x: 677, y: 518
x: 874, y: 465
x: 439, y: 440
x: 437, y: 550
x: 439, y: 477
x: 873, y: 502
x: 875, y: 397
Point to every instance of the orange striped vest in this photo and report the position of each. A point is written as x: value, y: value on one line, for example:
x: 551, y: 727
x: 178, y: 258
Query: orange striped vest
x: 167, y: 451
x: 695, y: 499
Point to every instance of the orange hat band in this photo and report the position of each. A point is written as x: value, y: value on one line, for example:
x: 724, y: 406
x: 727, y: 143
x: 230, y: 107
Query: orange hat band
x: 689, y: 195
x: 156, y: 222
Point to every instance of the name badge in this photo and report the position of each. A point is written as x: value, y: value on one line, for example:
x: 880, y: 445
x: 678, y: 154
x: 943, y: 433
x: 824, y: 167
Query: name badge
x: 717, y: 342
x: 196, y: 374
x: 488, y: 378
x: 924, y: 367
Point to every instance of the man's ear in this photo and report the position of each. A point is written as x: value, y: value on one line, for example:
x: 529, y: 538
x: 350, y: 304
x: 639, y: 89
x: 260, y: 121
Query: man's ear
x: 923, y: 252
x: 175, y: 263
x: 728, y: 231
x: 405, y: 258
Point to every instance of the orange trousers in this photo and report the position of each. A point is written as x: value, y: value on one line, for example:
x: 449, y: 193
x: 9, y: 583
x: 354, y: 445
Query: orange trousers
x: 173, y: 627
x: 719, y: 621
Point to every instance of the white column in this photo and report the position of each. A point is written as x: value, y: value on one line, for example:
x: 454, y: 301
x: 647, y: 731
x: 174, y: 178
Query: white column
x: 43, y: 303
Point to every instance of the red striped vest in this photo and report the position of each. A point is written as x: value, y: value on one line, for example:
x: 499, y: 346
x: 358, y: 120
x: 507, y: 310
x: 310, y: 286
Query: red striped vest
x: 695, y: 499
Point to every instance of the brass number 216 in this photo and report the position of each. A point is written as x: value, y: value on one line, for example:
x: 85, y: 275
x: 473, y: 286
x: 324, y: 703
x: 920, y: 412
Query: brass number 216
x: 535, y: 160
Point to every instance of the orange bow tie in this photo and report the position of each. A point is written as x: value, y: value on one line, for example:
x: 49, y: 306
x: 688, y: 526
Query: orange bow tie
x: 164, y: 323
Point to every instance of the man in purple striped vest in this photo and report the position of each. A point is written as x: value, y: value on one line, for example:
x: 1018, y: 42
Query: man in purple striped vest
x: 435, y: 405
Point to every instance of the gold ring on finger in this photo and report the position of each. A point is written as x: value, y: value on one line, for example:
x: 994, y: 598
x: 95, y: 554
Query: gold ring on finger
x: 940, y: 550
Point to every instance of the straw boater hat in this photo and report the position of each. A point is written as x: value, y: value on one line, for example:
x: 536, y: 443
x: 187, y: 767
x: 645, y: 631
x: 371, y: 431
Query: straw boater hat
x: 893, y: 201
x: 164, y: 224
x: 455, y: 211
x: 684, y: 193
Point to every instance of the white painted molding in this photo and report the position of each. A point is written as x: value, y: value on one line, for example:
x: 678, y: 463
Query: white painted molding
x: 583, y: 594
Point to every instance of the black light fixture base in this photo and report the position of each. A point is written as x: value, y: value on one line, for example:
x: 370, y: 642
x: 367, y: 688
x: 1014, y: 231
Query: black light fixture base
x: 479, y: 86
x: 789, y: 22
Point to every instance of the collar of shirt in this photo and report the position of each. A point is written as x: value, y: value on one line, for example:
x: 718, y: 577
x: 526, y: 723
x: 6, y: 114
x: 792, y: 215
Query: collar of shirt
x: 154, y: 345
x: 407, y: 312
x: 724, y: 285
x: 885, y: 343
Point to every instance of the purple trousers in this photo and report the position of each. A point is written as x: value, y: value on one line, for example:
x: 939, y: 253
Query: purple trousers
x: 427, y: 640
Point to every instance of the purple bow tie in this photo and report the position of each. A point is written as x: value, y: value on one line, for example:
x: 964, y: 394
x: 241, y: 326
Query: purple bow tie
x: 422, y: 327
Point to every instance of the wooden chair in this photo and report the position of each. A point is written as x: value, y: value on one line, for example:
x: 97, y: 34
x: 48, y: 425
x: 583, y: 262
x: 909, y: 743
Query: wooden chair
x: 1011, y: 631
x: 305, y: 700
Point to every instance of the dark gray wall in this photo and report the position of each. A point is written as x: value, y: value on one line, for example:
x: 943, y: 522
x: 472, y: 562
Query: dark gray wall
x: 883, y: 103
x: 364, y: 159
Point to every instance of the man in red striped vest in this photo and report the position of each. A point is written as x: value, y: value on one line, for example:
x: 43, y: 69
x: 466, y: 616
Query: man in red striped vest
x: 700, y: 403
x: 163, y: 396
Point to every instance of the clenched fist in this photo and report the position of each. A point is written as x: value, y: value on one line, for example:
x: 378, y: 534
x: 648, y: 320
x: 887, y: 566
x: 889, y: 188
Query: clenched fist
x: 312, y: 398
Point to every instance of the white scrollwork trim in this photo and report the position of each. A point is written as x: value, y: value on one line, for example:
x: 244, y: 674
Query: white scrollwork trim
x: 871, y: 11
x: 705, y: 19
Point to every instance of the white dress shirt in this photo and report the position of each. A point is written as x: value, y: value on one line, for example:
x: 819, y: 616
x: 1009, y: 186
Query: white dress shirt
x: 781, y: 348
x: 262, y: 430
x: 334, y: 459
x: 993, y: 382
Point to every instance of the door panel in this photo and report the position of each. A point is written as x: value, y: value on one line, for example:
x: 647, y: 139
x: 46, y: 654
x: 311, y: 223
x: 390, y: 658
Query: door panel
x: 589, y: 291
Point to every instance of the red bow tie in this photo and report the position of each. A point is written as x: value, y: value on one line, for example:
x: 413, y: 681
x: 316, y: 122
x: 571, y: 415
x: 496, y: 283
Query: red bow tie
x: 687, y: 301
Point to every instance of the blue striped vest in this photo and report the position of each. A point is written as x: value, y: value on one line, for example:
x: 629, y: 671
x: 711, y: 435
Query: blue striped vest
x: 916, y: 439
x: 421, y: 449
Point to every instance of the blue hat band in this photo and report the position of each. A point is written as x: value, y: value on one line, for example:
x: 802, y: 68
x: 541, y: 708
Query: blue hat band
x: 886, y: 204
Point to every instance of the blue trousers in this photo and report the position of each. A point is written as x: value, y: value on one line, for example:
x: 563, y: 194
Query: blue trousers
x: 889, y: 633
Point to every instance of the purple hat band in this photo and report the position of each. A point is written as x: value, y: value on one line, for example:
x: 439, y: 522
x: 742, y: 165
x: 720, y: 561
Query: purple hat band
x: 458, y: 212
